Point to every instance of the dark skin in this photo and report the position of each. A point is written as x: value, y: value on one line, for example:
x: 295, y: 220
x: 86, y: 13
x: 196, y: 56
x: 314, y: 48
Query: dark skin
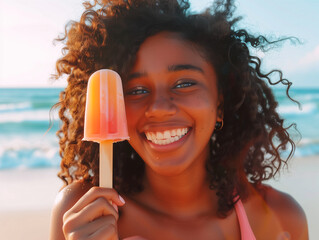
x: 171, y: 87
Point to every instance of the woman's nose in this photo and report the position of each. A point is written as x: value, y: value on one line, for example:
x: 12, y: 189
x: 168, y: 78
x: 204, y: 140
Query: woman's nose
x: 161, y: 107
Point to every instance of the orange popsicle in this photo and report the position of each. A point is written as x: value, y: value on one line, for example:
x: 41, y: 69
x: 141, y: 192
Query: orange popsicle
x: 105, y: 119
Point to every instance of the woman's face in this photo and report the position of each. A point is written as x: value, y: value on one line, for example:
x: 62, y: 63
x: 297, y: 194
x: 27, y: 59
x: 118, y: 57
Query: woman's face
x: 171, y: 101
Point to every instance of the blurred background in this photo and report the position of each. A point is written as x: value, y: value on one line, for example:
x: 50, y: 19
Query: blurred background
x: 29, y: 154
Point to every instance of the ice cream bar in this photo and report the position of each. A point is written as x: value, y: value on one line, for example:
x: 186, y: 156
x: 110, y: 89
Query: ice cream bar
x: 105, y: 119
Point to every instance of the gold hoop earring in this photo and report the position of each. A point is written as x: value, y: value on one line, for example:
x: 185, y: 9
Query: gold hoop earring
x: 219, y: 125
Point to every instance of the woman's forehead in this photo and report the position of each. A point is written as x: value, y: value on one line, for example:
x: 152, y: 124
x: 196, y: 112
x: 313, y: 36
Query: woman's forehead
x: 167, y: 49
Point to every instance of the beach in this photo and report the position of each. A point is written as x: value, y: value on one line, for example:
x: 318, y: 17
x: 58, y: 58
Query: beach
x: 27, y: 196
x: 26, y: 199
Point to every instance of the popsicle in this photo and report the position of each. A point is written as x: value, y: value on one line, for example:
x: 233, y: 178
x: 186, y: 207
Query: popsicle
x: 105, y: 118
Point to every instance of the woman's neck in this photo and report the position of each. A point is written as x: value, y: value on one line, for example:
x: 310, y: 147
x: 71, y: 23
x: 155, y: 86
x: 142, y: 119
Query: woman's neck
x: 185, y: 195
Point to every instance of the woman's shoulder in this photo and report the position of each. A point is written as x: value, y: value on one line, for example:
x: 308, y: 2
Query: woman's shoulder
x: 283, y: 203
x: 288, y: 211
x: 64, y: 200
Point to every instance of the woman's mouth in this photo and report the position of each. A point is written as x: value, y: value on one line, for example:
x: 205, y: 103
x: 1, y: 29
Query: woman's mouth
x: 166, y: 137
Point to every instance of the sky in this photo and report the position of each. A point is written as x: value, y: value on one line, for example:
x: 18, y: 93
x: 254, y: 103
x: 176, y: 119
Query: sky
x: 28, y: 28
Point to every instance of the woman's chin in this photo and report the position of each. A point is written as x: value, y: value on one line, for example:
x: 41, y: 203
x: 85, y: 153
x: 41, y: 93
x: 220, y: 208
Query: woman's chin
x: 167, y: 168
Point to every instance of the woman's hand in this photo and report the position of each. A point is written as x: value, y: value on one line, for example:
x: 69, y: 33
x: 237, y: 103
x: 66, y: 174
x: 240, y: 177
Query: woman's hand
x: 93, y: 216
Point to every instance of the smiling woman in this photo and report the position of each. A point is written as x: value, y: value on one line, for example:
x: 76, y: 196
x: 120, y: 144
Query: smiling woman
x: 203, y: 126
x: 176, y: 87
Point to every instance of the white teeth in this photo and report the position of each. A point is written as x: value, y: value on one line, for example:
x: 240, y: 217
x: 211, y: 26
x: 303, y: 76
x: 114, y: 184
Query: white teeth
x: 148, y: 135
x: 159, y: 135
x: 166, y: 137
x: 173, y: 132
x: 153, y: 136
x: 167, y: 134
x: 179, y: 131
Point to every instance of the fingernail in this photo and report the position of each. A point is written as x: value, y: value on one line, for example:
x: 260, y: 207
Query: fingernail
x: 121, y: 199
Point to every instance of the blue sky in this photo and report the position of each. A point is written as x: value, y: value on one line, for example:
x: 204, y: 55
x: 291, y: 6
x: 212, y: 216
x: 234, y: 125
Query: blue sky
x: 27, y: 29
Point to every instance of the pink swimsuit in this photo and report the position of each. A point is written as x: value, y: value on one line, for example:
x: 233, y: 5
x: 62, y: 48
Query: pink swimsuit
x: 246, y: 232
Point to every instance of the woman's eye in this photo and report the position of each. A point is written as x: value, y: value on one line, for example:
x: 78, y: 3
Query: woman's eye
x: 184, y: 84
x: 137, y: 91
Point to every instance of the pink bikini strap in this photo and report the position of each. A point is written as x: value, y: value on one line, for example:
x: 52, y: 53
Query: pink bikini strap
x: 245, y: 229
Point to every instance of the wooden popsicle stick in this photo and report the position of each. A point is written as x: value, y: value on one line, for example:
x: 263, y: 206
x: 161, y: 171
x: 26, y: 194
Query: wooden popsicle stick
x: 106, y: 164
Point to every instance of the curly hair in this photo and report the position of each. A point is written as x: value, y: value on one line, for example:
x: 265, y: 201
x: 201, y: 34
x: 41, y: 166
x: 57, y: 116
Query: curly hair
x: 247, y: 149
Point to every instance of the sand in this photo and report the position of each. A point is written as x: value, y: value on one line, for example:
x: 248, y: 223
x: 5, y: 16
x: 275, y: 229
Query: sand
x: 27, y: 196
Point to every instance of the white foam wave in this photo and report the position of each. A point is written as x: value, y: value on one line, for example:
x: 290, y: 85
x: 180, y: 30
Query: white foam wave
x: 308, y: 98
x: 35, y: 115
x: 307, y: 141
x: 44, y: 145
x: 29, y: 152
x: 15, y: 106
x: 293, y: 109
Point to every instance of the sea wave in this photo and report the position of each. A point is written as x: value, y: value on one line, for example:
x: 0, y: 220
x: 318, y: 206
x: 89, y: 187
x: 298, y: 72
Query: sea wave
x: 307, y: 108
x: 15, y: 106
x: 30, y: 152
x: 307, y: 150
x: 28, y: 115
x: 307, y: 141
x: 27, y: 105
x: 305, y: 147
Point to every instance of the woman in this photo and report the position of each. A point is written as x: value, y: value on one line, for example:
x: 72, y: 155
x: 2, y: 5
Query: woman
x: 204, y: 131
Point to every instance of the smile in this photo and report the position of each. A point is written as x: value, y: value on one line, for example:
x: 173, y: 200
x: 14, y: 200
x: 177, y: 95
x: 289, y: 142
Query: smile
x: 167, y: 136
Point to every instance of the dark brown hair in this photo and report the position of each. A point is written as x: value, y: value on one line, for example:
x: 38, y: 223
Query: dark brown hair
x: 109, y: 34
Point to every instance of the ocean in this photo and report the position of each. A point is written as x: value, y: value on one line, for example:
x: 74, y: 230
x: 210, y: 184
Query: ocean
x: 25, y: 141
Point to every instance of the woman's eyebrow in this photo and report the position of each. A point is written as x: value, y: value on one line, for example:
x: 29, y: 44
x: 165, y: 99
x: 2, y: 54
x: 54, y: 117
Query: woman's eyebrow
x: 180, y: 67
x: 171, y: 68
x: 136, y: 75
